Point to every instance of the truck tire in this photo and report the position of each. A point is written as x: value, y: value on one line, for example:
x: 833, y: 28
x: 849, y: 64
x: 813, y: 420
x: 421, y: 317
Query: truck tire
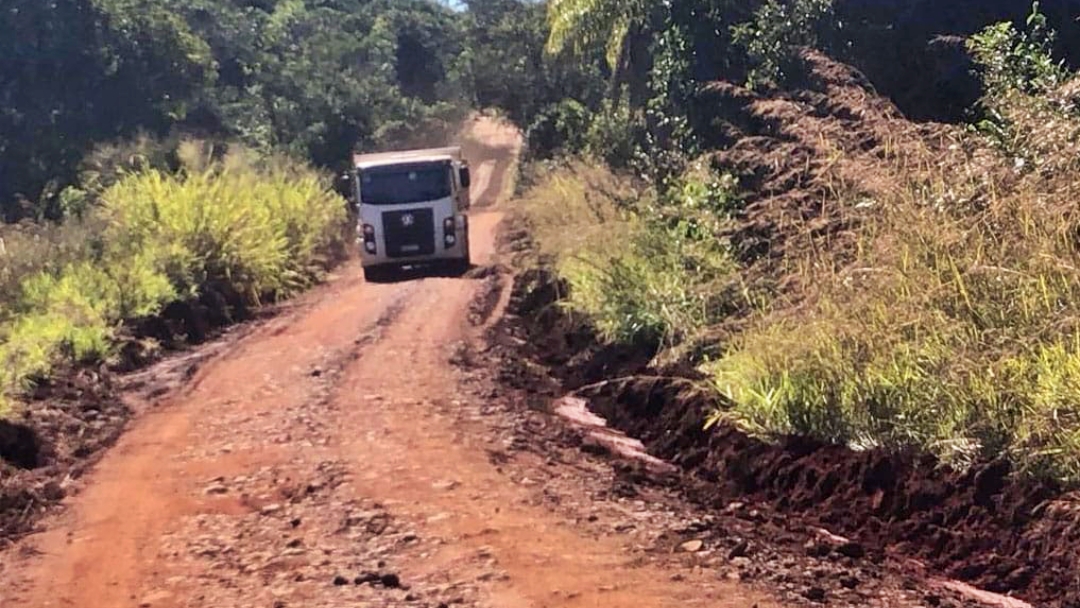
x: 379, y: 274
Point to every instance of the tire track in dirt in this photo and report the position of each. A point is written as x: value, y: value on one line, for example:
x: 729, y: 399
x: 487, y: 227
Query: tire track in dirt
x: 433, y: 469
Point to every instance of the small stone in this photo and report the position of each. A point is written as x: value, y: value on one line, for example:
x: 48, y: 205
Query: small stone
x: 271, y: 509
x: 814, y: 594
x: 390, y: 581
x: 851, y: 549
x: 216, y: 490
x: 53, y: 491
x: 366, y: 578
x: 412, y: 598
x: 692, y: 546
x: 740, y: 550
x: 340, y: 581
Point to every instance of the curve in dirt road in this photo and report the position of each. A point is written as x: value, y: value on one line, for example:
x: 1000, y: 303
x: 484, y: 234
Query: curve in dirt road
x: 338, y: 455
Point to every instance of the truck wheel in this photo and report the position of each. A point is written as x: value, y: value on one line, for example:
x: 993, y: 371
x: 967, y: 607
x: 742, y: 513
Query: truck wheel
x: 455, y: 268
x: 379, y: 274
x: 462, y: 266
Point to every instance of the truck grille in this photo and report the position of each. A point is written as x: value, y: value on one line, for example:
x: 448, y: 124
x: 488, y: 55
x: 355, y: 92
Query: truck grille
x: 409, y: 233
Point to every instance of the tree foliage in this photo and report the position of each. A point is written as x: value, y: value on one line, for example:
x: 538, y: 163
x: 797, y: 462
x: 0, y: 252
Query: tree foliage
x: 313, y: 78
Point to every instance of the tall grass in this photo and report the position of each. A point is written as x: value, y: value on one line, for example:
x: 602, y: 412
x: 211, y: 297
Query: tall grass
x: 253, y: 228
x: 636, y: 273
x: 953, y: 324
x: 946, y: 317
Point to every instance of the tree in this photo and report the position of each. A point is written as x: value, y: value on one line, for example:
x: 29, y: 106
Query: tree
x: 313, y: 78
x: 73, y: 72
x: 580, y: 26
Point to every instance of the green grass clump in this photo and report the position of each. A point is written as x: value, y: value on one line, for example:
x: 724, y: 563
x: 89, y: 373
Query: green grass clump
x: 957, y: 330
x: 637, y: 273
x: 953, y: 321
x: 250, y: 227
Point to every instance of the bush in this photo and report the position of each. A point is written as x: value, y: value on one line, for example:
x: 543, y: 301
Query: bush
x: 558, y: 129
x: 637, y: 275
x: 777, y: 27
x: 616, y: 134
x: 1024, y: 103
x: 253, y: 228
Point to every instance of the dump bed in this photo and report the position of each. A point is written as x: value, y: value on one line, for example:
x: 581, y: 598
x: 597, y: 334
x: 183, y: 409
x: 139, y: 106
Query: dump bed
x: 362, y: 161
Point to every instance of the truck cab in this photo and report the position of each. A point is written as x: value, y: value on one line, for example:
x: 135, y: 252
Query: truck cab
x: 411, y: 211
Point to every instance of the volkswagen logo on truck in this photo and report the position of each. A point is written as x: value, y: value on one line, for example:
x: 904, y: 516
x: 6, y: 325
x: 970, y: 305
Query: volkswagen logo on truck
x: 411, y: 207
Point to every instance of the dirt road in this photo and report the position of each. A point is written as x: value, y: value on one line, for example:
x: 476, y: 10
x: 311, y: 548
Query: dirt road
x: 337, y: 455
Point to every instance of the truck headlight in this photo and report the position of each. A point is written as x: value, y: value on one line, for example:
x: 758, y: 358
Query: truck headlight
x: 449, y: 232
x: 369, y: 238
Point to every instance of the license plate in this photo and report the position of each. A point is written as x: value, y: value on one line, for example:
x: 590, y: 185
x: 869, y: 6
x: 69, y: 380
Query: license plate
x: 410, y: 248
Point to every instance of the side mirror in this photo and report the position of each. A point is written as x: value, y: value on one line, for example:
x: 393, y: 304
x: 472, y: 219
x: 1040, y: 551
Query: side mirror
x: 466, y: 178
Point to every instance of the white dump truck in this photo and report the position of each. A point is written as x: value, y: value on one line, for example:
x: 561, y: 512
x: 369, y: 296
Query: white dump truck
x: 411, y: 211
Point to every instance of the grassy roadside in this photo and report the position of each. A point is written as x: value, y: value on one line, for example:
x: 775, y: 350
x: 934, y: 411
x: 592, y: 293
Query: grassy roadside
x: 244, y: 228
x: 925, y: 299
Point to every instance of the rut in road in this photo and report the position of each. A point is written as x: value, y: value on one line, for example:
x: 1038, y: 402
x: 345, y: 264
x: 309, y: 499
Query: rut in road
x: 335, y: 457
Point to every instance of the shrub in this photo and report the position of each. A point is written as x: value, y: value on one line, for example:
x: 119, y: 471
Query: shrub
x: 254, y: 228
x: 558, y: 129
x: 637, y: 275
x: 616, y: 134
x: 776, y: 28
x: 1022, y: 100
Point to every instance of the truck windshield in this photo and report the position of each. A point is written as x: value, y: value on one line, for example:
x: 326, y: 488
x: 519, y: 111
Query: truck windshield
x: 401, y: 185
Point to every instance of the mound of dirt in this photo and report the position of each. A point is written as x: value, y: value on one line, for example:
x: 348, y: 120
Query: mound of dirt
x: 68, y: 420
x: 61, y: 430
x: 983, y: 526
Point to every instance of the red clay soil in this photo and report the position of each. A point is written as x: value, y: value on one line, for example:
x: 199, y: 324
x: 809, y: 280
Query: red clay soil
x: 51, y: 442
x: 983, y: 526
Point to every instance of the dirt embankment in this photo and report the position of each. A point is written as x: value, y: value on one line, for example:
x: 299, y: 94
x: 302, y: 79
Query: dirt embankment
x: 71, y: 418
x: 983, y: 526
